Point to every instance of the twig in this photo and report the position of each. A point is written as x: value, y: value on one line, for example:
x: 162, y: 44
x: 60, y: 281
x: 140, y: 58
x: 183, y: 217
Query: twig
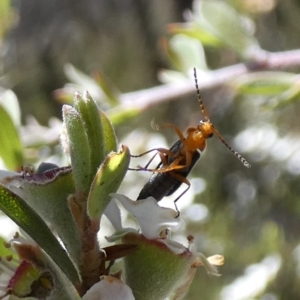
x: 141, y: 100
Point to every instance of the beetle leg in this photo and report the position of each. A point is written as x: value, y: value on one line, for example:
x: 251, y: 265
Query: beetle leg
x: 161, y: 150
x: 176, y: 129
x: 175, y: 165
x: 183, y: 180
x: 163, y: 153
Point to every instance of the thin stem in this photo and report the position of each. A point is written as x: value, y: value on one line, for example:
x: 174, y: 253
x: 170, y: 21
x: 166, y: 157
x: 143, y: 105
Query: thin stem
x: 262, y: 61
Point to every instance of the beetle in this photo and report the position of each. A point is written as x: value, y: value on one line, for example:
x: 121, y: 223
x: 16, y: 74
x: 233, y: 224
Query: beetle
x: 178, y: 161
x: 162, y: 184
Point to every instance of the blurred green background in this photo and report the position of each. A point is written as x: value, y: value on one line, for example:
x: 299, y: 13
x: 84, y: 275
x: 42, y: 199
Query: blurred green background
x: 251, y: 216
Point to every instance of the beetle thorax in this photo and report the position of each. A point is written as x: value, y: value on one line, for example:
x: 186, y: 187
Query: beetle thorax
x: 194, y: 140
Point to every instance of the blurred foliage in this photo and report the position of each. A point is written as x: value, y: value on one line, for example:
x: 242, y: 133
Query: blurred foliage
x: 6, y: 16
x: 11, y: 150
x: 252, y: 216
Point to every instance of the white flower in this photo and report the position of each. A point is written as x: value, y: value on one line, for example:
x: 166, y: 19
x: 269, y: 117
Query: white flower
x: 153, y: 219
x: 109, y: 288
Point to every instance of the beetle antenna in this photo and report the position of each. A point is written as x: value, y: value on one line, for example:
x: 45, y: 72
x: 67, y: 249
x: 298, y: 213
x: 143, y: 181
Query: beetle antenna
x: 239, y: 156
x: 203, y: 111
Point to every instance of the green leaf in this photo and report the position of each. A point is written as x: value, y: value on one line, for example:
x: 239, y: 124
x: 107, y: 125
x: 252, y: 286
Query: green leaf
x: 10, y: 102
x: 106, y: 181
x: 173, y: 56
x: 221, y: 20
x: 80, y: 152
x: 193, y: 30
x: 49, y: 198
x: 121, y: 114
x: 171, y: 76
x: 7, y: 17
x: 25, y: 217
x: 267, y: 83
x: 89, y: 113
x: 65, y: 95
x: 110, y: 139
x: 97, y: 85
x: 189, y: 51
x: 11, y: 147
x: 83, y: 81
x: 288, y: 97
x: 152, y: 270
x: 109, y: 90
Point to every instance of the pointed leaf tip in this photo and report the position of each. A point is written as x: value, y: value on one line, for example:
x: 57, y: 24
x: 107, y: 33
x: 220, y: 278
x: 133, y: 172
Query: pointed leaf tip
x: 78, y: 145
x: 107, y: 180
